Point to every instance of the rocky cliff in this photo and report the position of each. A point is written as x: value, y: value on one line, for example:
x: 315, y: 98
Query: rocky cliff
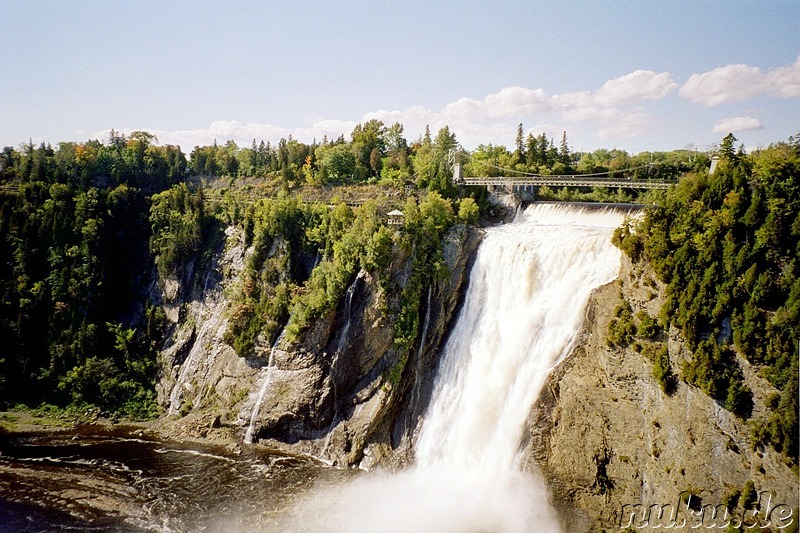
x: 604, y: 434
x: 343, y: 391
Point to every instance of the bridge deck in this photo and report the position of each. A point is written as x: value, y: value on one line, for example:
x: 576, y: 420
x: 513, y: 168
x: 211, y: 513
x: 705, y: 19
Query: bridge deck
x: 564, y: 181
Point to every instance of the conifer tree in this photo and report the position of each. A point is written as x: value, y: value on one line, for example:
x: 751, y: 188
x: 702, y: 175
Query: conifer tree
x: 519, y: 154
x: 530, y: 151
x: 563, y: 150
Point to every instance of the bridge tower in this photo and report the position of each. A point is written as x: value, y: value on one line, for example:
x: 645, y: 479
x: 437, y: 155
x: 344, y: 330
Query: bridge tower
x: 458, y: 176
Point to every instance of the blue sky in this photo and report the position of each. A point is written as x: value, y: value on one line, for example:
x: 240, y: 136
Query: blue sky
x: 633, y: 75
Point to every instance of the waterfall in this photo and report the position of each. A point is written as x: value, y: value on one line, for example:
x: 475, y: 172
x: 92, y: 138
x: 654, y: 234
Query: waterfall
x: 340, y: 346
x: 348, y: 309
x: 267, y: 379
x: 262, y: 390
x: 523, y: 308
x: 524, y: 305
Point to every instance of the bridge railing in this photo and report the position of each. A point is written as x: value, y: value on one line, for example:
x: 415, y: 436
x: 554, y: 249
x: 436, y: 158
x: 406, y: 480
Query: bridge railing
x: 565, y: 181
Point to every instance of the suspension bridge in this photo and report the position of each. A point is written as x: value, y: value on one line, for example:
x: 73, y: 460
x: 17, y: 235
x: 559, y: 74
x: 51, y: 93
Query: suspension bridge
x: 528, y: 180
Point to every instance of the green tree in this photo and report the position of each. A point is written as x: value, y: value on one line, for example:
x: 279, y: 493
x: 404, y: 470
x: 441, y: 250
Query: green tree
x: 727, y: 149
x: 468, y: 211
x: 563, y: 151
x: 369, y: 147
x: 519, y: 153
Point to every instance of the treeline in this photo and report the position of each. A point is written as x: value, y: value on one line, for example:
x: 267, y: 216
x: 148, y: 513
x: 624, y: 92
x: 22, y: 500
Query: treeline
x: 728, y: 247
x: 374, y: 153
x: 534, y: 154
x: 136, y: 161
x: 76, y: 326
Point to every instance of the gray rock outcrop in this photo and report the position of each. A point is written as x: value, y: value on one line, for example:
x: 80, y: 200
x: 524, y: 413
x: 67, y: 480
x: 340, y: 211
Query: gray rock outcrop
x: 605, y: 435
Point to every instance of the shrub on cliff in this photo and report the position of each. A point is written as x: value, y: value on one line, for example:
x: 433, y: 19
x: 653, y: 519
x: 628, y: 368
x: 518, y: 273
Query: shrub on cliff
x: 621, y: 328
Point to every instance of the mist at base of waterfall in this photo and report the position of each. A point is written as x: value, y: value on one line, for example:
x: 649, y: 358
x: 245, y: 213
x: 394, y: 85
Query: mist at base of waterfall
x: 427, y: 500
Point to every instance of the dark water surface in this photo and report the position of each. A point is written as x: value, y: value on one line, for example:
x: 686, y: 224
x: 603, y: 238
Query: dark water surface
x: 122, y: 481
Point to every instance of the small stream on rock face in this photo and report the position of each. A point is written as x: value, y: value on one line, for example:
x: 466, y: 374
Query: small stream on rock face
x: 213, y: 324
x: 526, y: 298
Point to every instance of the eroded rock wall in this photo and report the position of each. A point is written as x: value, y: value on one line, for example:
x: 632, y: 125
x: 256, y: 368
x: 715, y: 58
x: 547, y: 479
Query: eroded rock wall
x: 604, y: 434
x: 202, y: 378
x: 328, y: 394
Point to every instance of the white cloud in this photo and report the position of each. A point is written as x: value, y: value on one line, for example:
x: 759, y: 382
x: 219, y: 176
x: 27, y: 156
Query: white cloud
x: 414, y: 119
x: 785, y: 81
x: 631, y: 88
x: 509, y: 102
x: 723, y: 84
x: 243, y: 132
x: 590, y: 112
x: 622, y: 131
x: 610, y: 123
x: 550, y: 129
x: 330, y: 128
x: 634, y: 87
x: 733, y: 83
x: 737, y: 124
x: 573, y: 100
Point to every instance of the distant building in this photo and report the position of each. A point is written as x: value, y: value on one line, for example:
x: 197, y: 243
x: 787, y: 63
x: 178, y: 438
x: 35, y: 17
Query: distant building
x: 395, y: 218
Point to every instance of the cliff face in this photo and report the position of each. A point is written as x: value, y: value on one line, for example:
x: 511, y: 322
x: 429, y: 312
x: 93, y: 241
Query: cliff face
x: 201, y: 376
x: 329, y: 394
x: 604, y: 434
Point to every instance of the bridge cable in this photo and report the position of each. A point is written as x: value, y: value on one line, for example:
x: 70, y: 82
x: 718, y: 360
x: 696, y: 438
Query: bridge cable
x: 596, y: 174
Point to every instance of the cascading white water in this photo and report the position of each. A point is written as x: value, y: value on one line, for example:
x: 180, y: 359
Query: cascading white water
x: 340, y: 346
x: 524, y: 305
x: 266, y: 380
x: 348, y: 309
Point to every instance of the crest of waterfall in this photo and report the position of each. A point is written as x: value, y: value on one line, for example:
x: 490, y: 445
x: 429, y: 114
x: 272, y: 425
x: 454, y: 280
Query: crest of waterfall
x: 526, y: 299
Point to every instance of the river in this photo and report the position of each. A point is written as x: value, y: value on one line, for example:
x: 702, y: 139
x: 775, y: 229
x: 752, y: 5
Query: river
x: 123, y: 480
